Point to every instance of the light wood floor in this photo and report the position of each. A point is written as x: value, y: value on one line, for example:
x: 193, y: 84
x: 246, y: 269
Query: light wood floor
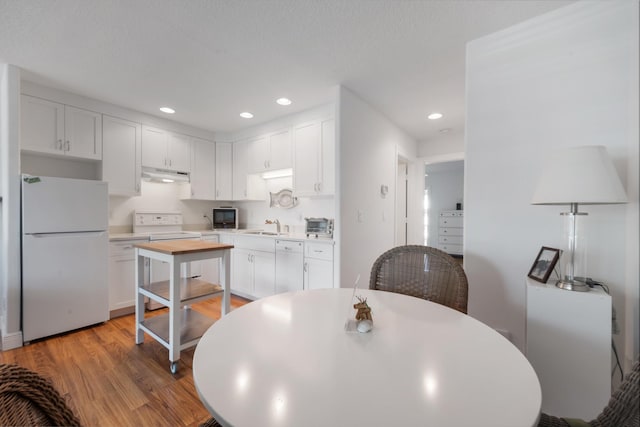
x: 108, y: 380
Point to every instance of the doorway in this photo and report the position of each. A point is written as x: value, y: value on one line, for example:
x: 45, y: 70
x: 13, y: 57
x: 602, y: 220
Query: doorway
x: 443, y: 192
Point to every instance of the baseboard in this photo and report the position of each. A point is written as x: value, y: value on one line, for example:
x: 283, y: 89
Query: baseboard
x: 11, y: 341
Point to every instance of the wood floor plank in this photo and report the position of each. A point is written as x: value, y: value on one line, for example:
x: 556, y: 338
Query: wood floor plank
x: 108, y: 380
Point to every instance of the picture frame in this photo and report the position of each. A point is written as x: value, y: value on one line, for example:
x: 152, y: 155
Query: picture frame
x: 544, y: 264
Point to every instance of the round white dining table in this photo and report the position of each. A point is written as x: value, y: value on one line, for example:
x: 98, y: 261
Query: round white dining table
x: 287, y: 360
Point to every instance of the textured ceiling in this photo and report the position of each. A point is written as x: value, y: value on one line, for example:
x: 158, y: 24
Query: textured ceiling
x: 212, y: 59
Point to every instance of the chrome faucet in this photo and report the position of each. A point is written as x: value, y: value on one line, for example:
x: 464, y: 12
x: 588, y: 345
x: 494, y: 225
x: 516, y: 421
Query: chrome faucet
x: 277, y: 223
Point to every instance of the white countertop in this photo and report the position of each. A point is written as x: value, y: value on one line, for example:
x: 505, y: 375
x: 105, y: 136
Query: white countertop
x: 209, y: 232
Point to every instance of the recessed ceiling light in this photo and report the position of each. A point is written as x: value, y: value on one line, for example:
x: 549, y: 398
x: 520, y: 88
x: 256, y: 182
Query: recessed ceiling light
x: 246, y: 115
x: 283, y: 101
x: 445, y: 130
x: 167, y: 110
x: 434, y: 116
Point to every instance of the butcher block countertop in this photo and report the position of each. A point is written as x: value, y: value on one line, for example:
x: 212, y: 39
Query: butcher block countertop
x: 177, y: 247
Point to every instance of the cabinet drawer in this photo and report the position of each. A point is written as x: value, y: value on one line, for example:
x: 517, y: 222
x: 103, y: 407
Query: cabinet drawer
x: 448, y: 231
x: 450, y: 240
x: 452, y: 213
x: 318, y: 250
x: 290, y: 246
x: 123, y: 248
x: 451, y: 249
x: 446, y: 221
x: 264, y: 244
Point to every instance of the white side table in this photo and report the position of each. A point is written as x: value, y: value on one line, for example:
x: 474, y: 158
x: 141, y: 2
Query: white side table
x: 568, y: 343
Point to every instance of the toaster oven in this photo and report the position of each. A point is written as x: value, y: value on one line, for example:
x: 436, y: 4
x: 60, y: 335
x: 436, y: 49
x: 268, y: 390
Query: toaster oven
x: 319, y: 227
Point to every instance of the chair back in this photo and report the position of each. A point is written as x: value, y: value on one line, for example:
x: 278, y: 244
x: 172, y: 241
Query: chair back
x: 423, y: 272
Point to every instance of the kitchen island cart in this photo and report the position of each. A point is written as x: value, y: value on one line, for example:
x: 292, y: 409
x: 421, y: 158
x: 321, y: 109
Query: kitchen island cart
x: 182, y: 327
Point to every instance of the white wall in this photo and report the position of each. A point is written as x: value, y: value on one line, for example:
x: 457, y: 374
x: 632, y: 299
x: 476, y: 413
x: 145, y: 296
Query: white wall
x: 566, y: 78
x: 445, y: 183
x: 369, y: 144
x: 10, y: 205
x: 444, y: 144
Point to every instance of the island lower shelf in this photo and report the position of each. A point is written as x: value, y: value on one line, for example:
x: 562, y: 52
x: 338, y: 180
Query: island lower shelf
x: 192, y: 326
x: 192, y: 290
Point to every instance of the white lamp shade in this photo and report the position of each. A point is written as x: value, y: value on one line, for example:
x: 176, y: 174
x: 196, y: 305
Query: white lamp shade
x: 583, y: 175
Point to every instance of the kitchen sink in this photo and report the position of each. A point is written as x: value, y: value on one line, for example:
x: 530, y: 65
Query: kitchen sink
x: 265, y: 233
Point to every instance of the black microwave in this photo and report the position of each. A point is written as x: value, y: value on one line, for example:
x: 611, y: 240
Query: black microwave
x: 225, y: 218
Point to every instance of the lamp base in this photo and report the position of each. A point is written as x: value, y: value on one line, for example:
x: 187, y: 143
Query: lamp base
x: 572, y: 285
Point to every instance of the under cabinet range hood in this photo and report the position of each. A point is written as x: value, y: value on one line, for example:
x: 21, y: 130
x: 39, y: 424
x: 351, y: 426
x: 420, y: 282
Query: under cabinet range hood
x: 162, y: 175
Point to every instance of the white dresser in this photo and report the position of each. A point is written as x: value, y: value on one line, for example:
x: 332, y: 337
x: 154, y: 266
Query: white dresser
x: 568, y: 338
x: 450, y: 232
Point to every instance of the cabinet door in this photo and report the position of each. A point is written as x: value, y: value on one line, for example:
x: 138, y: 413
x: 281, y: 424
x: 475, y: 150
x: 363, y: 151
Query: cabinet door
x: 240, y: 168
x: 224, y: 154
x: 83, y: 133
x: 179, y: 153
x: 41, y: 125
x: 264, y: 274
x: 121, y: 156
x: 122, y: 287
x: 203, y: 176
x: 280, y: 150
x: 289, y: 272
x: 210, y: 268
x: 306, y: 142
x: 318, y: 274
x: 327, y: 173
x: 154, y: 147
x: 242, y: 276
x: 258, y: 154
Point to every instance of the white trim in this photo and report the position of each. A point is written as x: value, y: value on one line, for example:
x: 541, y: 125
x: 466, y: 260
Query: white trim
x: 11, y: 341
x: 441, y: 158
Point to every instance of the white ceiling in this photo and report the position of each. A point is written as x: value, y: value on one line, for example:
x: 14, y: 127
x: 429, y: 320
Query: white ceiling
x: 212, y: 59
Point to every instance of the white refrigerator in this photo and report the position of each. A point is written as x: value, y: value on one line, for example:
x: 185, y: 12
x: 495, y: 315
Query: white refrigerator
x: 64, y: 255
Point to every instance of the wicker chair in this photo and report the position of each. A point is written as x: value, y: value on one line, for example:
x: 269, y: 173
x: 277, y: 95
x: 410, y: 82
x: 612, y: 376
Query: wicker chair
x: 422, y: 272
x: 27, y: 399
x: 211, y: 422
x: 623, y: 409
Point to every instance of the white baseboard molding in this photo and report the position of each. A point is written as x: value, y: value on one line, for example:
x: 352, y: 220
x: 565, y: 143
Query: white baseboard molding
x: 11, y: 341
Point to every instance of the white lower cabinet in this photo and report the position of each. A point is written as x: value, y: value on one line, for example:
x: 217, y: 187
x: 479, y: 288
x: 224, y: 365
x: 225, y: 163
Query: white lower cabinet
x: 289, y: 266
x: 318, y: 265
x: 122, y: 286
x: 209, y: 268
x: 253, y: 267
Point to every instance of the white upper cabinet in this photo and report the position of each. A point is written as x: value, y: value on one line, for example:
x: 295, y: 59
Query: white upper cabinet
x: 280, y: 150
x: 203, y: 170
x: 165, y: 150
x: 53, y: 128
x: 121, y: 157
x: 314, y: 158
x: 240, y: 168
x: 270, y: 152
x: 224, y: 171
x: 179, y: 152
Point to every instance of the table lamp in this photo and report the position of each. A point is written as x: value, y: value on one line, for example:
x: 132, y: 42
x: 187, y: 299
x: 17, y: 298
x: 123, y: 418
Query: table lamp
x: 575, y: 176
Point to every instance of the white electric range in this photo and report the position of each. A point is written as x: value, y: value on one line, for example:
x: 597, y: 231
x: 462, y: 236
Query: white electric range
x: 161, y: 225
